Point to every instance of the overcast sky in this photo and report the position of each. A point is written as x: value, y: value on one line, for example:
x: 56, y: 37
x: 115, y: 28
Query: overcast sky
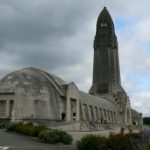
x: 57, y: 36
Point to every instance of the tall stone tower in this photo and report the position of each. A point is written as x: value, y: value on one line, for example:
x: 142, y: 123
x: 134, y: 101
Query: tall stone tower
x: 106, y: 70
x: 106, y: 73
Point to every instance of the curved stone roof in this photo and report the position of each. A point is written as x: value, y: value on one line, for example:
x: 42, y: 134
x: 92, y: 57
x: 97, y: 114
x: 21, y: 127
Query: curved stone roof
x: 96, y: 101
x: 135, y: 113
x: 33, y: 78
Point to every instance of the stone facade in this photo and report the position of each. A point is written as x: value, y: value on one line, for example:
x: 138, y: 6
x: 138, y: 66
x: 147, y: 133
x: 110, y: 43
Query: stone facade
x: 31, y: 94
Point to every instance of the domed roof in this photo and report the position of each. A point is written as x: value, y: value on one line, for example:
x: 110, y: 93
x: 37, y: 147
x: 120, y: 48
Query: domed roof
x: 31, y: 78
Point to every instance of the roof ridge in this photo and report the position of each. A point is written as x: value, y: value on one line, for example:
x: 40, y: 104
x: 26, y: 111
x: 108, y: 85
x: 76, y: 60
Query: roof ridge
x: 46, y: 76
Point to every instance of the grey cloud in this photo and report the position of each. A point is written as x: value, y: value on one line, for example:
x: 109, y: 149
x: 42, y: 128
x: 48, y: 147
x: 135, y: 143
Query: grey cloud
x: 39, y: 32
x: 35, y: 21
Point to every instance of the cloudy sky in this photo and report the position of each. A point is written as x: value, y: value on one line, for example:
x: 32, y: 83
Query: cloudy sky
x: 57, y: 36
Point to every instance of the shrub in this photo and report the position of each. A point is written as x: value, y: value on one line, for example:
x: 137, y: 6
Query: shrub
x: 44, y: 135
x: 146, y: 120
x: 4, y: 125
x: 19, y: 127
x: 113, y: 142
x: 55, y: 136
x: 27, y: 129
x: 123, y: 142
x: 92, y: 142
x: 13, y: 126
x: 32, y: 130
x: 48, y: 136
x: 147, y: 146
x: 37, y: 130
x: 51, y: 137
x: 67, y: 139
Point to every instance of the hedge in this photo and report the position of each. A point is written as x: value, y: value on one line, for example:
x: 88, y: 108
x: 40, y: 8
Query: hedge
x: 55, y: 136
x: 92, y: 142
x: 26, y: 129
x: 113, y: 142
x: 51, y: 136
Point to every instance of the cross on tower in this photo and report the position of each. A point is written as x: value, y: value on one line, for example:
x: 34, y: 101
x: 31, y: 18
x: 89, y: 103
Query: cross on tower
x: 104, y: 3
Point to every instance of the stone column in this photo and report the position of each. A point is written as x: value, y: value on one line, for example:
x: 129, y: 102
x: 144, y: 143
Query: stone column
x: 141, y: 119
x: 130, y: 116
x: 72, y: 94
x: 94, y: 113
x: 99, y: 115
x: 83, y: 111
x: 77, y: 110
x: 68, y: 112
x: 110, y: 119
x: 115, y: 119
x: 89, y: 113
x: 7, y: 108
x: 107, y: 116
x: 103, y: 116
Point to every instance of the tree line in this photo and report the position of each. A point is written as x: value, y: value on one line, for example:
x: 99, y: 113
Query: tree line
x: 146, y: 120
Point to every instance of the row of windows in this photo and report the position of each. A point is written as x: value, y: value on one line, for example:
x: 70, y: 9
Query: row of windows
x: 91, y: 113
x: 2, y: 108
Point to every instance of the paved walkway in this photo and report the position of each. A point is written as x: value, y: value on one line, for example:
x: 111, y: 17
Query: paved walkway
x: 14, y: 141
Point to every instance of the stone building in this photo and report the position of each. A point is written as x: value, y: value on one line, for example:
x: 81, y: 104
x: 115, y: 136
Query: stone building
x: 31, y: 94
